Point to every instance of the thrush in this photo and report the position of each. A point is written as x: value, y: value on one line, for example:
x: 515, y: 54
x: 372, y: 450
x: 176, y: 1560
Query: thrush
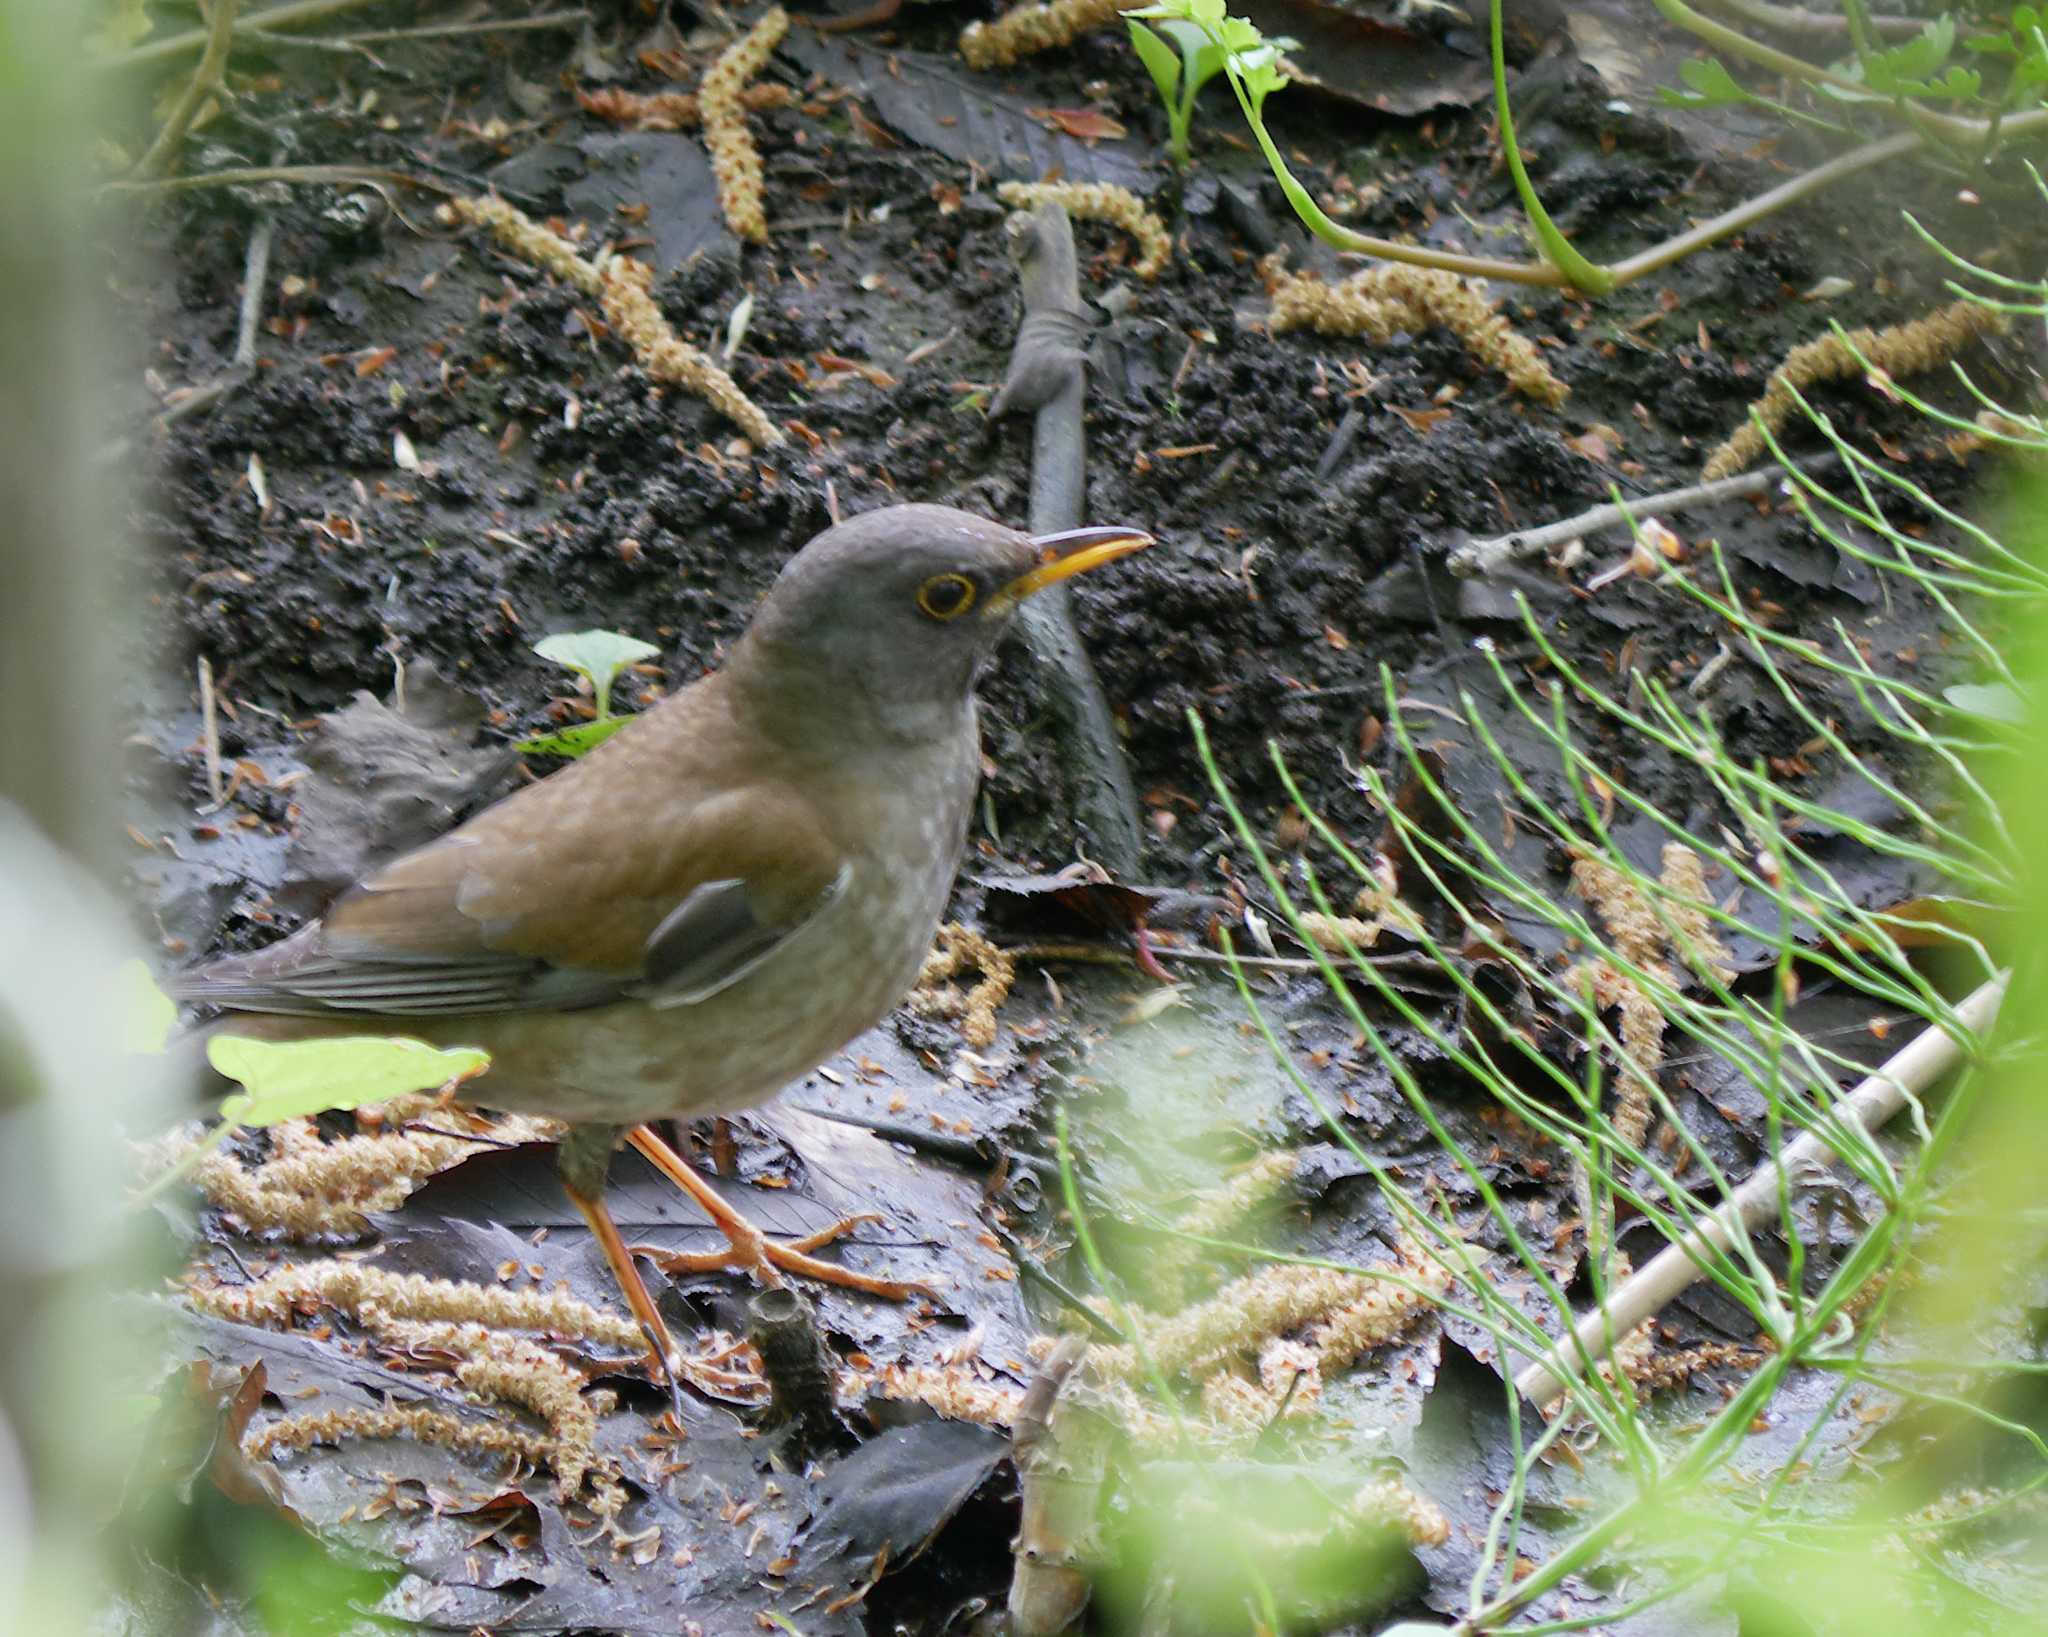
x: 718, y: 897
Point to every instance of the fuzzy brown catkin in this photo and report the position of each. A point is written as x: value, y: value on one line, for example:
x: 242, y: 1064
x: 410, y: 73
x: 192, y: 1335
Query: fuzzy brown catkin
x: 1394, y: 298
x: 347, y: 1285
x: 1025, y: 31
x: 959, y: 948
x: 624, y: 287
x: 1100, y: 202
x: 734, y: 159
x: 672, y: 110
x: 1912, y: 348
x: 631, y: 310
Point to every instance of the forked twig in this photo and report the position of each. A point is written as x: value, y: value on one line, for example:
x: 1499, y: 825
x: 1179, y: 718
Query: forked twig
x: 205, y: 82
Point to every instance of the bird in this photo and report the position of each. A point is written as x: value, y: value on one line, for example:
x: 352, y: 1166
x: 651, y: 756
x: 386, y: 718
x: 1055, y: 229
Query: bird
x: 715, y: 899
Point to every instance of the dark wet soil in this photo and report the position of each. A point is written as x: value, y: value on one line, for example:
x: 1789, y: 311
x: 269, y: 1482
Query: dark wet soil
x: 555, y: 490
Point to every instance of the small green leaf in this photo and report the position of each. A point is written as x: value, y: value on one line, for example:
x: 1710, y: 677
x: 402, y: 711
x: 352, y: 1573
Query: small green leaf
x: 1204, y: 64
x: 580, y: 739
x: 288, y: 1078
x: 1237, y: 35
x: 1901, y: 69
x: 1712, y: 86
x: 1990, y: 699
x: 145, y: 1014
x: 1161, y: 61
x: 599, y: 655
x: 1260, y: 73
x: 127, y: 23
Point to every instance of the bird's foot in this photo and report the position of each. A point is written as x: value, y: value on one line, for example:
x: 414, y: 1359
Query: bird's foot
x: 751, y: 1251
x: 748, y: 1248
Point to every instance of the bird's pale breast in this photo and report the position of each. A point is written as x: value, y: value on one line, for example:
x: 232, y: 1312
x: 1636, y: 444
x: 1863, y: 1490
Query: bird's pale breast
x: 838, y: 977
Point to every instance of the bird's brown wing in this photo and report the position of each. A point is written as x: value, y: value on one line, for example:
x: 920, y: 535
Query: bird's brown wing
x: 571, y: 894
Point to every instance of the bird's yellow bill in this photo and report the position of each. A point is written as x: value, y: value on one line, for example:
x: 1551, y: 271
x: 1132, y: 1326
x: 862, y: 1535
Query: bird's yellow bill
x: 1073, y: 552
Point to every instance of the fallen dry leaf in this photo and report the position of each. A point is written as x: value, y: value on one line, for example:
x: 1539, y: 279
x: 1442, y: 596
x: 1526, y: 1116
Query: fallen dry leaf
x: 1086, y: 124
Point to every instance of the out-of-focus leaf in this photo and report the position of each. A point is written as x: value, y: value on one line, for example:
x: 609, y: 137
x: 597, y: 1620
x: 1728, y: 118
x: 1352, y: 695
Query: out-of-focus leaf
x: 125, y: 25
x: 146, y: 1013
x: 284, y: 1079
x: 1710, y: 86
x: 1992, y: 699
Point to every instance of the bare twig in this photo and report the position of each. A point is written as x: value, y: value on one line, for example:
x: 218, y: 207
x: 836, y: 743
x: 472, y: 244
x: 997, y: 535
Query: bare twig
x: 255, y: 275
x: 295, y: 14
x: 1483, y: 557
x: 241, y: 175
x: 209, y: 733
x: 205, y: 82
x: 1046, y: 377
x: 1791, y: 20
x: 450, y: 31
x: 1880, y: 1096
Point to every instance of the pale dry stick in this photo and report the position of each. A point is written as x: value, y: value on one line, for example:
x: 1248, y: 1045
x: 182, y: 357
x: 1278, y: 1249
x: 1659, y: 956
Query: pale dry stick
x: 294, y: 14
x: 205, y: 81
x: 209, y: 735
x: 450, y: 31
x: 1791, y: 20
x: 1904, y: 1075
x: 240, y: 175
x: 1478, y: 558
x: 255, y: 273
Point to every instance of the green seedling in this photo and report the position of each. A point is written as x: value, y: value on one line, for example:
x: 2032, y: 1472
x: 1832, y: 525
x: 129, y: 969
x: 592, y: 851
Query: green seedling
x: 1911, y: 84
x: 1182, y: 58
x: 598, y: 656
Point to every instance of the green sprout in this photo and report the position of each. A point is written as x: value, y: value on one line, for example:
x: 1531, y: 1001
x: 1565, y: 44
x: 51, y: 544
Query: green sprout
x: 1182, y: 57
x: 1912, y: 84
x: 599, y: 657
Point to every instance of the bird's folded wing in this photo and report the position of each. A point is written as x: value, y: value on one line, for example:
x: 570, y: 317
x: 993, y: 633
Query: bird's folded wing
x: 557, y: 903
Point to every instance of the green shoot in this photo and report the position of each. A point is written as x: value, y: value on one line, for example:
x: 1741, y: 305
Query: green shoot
x: 1557, y: 250
x: 1912, y: 85
x: 1181, y: 57
x: 599, y: 657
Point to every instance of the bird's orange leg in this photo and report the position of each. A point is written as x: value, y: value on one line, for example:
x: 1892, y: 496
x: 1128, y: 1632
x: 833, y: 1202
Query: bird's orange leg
x: 628, y: 1276
x: 750, y: 1249
x: 581, y: 1164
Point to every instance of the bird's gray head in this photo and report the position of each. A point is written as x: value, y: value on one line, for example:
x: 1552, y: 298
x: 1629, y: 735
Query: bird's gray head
x: 891, y: 615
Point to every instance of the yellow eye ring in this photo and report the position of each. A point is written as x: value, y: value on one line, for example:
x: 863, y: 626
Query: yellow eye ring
x: 946, y: 596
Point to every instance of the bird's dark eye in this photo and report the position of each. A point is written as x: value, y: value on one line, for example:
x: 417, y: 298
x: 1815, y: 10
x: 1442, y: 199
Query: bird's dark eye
x: 946, y: 596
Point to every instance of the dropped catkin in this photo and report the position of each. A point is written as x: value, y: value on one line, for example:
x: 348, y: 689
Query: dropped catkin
x: 1902, y: 349
x: 734, y: 158
x: 1394, y: 298
x: 624, y: 286
x: 1027, y: 30
x: 1100, y: 202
